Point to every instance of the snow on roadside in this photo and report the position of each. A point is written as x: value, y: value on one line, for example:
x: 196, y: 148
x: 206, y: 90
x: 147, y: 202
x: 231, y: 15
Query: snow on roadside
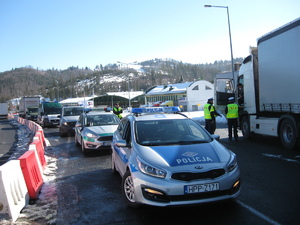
x: 44, y: 209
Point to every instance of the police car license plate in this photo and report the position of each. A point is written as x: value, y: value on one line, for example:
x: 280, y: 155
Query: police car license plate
x: 191, y: 189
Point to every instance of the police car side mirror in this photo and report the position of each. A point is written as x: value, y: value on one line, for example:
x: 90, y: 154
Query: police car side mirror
x: 122, y: 143
x: 215, y: 136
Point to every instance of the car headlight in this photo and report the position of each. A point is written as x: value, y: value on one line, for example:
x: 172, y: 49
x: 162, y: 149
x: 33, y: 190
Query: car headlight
x: 91, y: 135
x: 151, y: 170
x: 232, y: 162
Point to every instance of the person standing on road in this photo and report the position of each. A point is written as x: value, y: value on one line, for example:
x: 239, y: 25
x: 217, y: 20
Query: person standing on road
x: 232, y: 115
x: 210, y: 115
x: 118, y: 110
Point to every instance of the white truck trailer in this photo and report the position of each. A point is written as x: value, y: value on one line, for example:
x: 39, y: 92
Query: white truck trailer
x: 271, y: 78
x: 28, y: 107
x: 3, y: 110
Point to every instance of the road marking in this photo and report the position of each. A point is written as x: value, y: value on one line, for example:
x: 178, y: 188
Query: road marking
x: 280, y: 157
x: 262, y: 216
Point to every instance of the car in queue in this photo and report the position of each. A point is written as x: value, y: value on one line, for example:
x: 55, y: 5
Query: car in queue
x: 69, y: 117
x: 168, y: 159
x: 94, y: 130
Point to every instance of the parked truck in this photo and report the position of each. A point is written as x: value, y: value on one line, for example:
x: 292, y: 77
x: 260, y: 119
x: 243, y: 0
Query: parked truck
x: 49, y: 114
x: 3, y: 110
x: 28, y: 107
x: 270, y: 76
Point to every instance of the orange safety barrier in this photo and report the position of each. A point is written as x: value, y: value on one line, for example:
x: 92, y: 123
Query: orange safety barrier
x: 40, y: 152
x: 38, y: 135
x: 40, y: 130
x: 32, y: 174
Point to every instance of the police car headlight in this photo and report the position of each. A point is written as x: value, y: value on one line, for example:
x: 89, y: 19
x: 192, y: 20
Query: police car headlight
x: 151, y: 170
x: 232, y: 163
x: 91, y: 135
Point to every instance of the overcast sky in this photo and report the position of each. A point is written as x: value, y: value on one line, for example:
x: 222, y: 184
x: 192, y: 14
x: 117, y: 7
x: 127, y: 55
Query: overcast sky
x: 57, y: 34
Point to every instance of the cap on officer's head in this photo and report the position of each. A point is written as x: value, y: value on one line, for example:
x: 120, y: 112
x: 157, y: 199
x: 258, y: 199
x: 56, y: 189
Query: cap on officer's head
x: 231, y: 99
x: 210, y: 99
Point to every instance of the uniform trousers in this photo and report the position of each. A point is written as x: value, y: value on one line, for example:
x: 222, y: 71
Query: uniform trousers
x: 232, y: 124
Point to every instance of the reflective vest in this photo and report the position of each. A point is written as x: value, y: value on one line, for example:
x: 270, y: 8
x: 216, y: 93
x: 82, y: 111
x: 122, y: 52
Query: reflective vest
x: 118, y: 110
x: 233, y: 111
x: 208, y: 110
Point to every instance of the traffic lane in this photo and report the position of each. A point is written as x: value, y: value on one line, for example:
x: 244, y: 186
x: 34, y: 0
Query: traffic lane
x: 95, y: 198
x: 270, y: 178
x: 7, y: 140
x: 88, y: 193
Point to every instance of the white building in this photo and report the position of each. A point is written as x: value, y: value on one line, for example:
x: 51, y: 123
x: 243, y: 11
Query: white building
x: 190, y: 96
x: 83, y: 101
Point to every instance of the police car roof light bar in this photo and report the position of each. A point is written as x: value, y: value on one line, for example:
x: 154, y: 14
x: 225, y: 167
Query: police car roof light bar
x: 172, y: 109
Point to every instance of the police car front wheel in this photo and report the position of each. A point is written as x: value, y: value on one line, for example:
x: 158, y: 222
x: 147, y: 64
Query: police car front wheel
x: 128, y: 190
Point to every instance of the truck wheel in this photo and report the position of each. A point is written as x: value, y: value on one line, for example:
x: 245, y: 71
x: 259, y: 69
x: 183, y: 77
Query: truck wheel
x: 128, y: 190
x: 245, y: 127
x: 288, y: 134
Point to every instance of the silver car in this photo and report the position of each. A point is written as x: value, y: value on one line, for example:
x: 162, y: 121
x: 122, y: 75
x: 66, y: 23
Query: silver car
x: 168, y: 159
x: 94, y: 130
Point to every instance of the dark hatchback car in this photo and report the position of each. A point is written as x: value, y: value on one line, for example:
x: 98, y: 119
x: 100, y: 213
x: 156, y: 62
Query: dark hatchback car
x: 69, y: 117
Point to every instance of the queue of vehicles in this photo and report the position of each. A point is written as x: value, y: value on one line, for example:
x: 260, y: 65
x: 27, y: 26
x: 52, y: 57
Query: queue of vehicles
x: 163, y: 157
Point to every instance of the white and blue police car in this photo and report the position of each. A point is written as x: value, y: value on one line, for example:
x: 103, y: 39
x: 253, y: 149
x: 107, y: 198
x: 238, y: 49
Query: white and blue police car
x: 167, y: 159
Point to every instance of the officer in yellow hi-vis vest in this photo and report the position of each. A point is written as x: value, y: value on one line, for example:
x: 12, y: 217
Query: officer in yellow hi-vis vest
x: 210, y: 115
x: 117, y: 110
x: 232, y: 115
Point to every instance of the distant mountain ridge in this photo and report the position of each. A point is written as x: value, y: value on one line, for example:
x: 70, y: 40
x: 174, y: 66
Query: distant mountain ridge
x: 76, y: 82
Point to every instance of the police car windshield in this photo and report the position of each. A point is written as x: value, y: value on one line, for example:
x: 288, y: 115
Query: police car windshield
x: 102, y: 120
x: 170, y: 132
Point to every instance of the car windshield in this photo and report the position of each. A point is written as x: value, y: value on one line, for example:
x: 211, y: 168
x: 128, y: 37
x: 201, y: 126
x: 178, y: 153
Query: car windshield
x: 72, y: 111
x: 53, y: 110
x: 170, y: 132
x: 102, y: 120
x: 33, y: 110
